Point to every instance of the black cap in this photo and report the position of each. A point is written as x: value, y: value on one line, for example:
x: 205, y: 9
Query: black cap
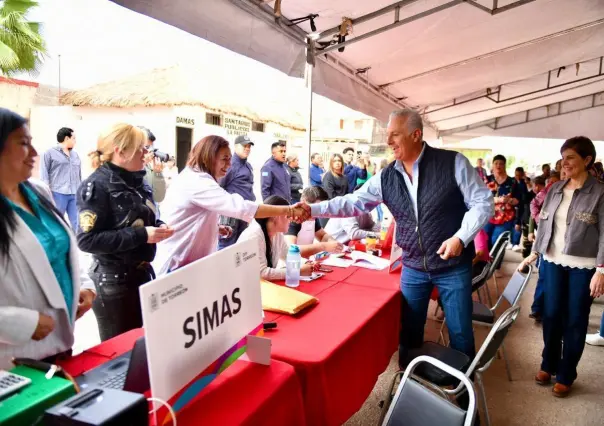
x: 244, y: 140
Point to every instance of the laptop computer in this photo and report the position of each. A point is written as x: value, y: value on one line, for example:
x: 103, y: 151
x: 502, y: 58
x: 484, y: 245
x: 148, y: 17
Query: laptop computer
x: 129, y: 372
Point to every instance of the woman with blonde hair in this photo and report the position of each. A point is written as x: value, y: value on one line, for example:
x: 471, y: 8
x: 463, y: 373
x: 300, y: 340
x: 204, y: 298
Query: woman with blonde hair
x: 119, y: 226
x: 195, y: 201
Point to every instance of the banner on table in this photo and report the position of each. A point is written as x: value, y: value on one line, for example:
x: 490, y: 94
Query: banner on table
x: 197, y: 320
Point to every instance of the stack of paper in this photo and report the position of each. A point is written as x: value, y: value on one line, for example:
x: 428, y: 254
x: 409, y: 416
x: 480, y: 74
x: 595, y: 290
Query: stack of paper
x: 369, y: 261
x: 360, y: 259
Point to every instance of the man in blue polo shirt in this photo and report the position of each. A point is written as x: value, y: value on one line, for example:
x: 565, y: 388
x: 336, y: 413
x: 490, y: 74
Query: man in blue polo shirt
x: 274, y: 177
x: 316, y: 170
x: 238, y: 180
x: 61, y: 170
x: 351, y: 171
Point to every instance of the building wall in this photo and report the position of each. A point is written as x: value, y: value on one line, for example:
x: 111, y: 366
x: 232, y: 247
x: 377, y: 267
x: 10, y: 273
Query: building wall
x: 17, y: 95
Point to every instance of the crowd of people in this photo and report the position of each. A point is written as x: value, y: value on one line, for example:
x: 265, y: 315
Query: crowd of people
x: 140, y: 218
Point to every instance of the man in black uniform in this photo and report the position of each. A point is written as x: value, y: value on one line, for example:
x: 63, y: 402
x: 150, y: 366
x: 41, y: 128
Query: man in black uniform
x: 118, y: 225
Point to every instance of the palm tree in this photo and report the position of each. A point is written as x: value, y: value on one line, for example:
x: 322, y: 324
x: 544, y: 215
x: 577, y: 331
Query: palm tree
x: 21, y: 45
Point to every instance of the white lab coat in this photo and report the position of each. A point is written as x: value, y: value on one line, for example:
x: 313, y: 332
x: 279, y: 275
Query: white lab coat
x: 193, y: 204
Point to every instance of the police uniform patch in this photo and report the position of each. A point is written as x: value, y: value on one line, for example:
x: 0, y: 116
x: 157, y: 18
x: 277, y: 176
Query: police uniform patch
x: 138, y: 223
x: 87, y: 220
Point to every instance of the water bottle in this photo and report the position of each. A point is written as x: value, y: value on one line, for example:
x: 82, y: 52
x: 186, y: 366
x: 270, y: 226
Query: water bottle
x: 292, y: 266
x: 384, y: 229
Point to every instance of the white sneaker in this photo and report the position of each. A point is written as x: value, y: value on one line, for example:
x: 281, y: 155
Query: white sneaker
x: 517, y: 248
x: 594, y: 339
x: 509, y: 246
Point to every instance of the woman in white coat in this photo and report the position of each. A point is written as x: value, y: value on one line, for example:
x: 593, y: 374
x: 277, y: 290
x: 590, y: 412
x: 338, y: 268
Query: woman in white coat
x: 195, y: 201
x: 42, y: 290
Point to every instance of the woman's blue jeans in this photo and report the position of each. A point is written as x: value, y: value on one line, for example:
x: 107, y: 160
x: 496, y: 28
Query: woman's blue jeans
x: 565, y: 318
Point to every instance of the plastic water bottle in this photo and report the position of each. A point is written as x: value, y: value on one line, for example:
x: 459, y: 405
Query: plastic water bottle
x: 384, y: 229
x: 292, y: 266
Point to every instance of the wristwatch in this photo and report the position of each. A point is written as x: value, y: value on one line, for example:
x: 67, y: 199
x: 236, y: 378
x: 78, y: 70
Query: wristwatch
x: 600, y: 270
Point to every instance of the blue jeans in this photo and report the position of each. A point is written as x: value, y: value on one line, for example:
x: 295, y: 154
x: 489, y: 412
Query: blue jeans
x: 516, y: 235
x: 602, y: 325
x: 455, y: 291
x: 566, y: 316
x: 494, y: 231
x: 537, y: 306
x: 67, y: 204
x: 380, y: 213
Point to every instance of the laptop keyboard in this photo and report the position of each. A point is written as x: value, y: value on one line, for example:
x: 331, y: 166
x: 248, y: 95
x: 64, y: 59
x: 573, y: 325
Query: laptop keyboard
x: 114, y: 382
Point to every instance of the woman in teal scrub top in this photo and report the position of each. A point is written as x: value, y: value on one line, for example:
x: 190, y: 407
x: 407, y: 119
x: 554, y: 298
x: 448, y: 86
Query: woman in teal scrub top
x: 42, y: 290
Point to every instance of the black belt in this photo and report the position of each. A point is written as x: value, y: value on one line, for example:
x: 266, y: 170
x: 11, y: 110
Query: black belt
x: 116, y: 268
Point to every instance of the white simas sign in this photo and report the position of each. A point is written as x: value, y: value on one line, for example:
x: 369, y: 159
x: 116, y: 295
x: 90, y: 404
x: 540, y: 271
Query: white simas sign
x: 197, y: 320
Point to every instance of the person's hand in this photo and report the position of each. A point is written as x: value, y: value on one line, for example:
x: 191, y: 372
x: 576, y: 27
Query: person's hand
x: 307, y: 269
x: 85, y: 303
x: 597, y: 285
x: 517, y: 228
x: 450, y: 248
x: 155, y: 235
x: 527, y: 261
x: 300, y: 212
x: 158, y: 166
x: 45, y: 326
x: 225, y: 231
x: 332, y: 246
x: 531, y: 237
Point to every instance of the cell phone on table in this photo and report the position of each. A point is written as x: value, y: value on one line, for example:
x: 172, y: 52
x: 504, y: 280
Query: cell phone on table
x: 321, y: 255
x: 322, y: 268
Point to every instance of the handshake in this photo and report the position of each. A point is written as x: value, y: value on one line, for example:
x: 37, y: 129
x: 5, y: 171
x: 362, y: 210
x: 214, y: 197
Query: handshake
x: 299, y: 212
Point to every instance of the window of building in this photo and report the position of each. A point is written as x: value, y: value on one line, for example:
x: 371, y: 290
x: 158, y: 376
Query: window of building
x: 214, y: 119
x: 257, y: 126
x: 341, y: 124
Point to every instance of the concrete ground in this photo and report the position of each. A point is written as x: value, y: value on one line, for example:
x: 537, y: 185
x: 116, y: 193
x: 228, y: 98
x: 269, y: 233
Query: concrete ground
x: 521, y: 402
x: 517, y: 403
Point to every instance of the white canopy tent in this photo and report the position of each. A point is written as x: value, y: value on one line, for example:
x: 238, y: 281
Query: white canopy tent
x: 473, y: 67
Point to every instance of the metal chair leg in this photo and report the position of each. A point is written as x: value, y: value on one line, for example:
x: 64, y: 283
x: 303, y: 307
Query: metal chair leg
x: 441, y: 336
x: 486, y: 288
x: 496, y: 285
x: 507, y: 364
x: 483, y: 397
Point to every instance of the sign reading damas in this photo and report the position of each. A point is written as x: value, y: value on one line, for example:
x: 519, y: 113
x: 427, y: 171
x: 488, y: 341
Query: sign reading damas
x: 185, y: 120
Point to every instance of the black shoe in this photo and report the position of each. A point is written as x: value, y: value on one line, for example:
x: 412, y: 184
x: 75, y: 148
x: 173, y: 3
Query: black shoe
x: 536, y: 316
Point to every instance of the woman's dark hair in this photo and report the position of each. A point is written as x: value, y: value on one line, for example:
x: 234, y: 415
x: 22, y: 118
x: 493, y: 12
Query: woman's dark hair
x: 499, y: 157
x: 598, y: 167
x: 582, y: 146
x: 203, y: 155
x: 273, y: 200
x: 9, y: 122
x: 314, y: 194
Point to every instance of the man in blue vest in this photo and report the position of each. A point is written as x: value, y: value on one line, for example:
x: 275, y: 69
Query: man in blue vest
x: 439, y: 204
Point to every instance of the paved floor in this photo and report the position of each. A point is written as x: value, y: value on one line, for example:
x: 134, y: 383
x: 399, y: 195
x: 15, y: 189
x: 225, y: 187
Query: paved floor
x: 522, y: 402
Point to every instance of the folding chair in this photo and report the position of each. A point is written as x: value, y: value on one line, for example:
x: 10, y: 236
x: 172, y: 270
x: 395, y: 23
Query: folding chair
x: 459, y: 361
x: 415, y: 405
x: 485, y: 316
x: 500, y: 244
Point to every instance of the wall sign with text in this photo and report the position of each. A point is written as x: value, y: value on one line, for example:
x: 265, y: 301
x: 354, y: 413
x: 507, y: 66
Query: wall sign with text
x: 237, y: 126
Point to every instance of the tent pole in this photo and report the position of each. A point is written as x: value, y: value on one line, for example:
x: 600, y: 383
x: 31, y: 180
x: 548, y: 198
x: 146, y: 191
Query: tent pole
x: 308, y: 81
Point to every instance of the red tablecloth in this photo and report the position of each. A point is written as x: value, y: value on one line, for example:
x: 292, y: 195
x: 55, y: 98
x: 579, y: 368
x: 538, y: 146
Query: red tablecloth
x: 244, y: 394
x: 340, y: 346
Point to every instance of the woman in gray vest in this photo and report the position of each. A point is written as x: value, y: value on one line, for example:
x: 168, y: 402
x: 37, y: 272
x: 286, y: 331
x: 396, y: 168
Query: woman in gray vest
x: 571, y: 241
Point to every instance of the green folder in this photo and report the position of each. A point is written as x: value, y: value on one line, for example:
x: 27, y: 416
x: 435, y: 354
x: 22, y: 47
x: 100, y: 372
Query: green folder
x: 28, y: 405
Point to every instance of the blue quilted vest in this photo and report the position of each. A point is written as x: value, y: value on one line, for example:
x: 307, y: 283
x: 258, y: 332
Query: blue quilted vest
x: 440, y: 206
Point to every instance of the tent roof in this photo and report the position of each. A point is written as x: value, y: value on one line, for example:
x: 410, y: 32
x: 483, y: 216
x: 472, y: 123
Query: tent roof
x: 443, y: 57
x: 224, y: 90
